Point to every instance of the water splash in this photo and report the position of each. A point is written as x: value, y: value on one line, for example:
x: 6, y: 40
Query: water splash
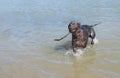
x: 95, y: 40
x: 78, y: 53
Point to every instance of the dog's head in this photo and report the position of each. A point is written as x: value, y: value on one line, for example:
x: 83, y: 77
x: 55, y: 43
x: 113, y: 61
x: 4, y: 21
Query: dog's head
x: 73, y: 26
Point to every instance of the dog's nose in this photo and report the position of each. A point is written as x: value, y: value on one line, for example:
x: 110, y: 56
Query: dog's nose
x: 72, y: 30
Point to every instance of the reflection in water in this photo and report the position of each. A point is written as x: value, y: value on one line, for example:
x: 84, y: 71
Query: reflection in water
x: 81, y: 64
x: 65, y: 46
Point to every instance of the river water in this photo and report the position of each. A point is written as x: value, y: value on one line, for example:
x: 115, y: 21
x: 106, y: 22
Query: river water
x: 28, y: 29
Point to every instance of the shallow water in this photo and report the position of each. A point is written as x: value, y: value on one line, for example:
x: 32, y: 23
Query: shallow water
x: 28, y: 29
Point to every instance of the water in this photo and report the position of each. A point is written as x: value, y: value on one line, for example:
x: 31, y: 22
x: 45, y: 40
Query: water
x: 28, y: 29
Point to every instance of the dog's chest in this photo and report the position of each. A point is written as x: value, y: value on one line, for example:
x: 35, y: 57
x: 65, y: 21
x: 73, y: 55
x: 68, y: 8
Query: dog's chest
x: 78, y: 42
x: 79, y: 37
x: 79, y: 34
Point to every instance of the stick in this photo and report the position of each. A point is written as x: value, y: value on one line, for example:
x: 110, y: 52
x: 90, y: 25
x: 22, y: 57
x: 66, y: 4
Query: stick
x: 62, y: 37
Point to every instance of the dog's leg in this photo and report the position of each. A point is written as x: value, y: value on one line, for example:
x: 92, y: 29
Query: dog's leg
x: 92, y: 35
x: 84, y: 43
x: 74, y: 45
x: 74, y: 49
x: 92, y: 42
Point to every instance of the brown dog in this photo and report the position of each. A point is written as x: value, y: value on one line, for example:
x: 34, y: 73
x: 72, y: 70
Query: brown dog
x: 80, y: 34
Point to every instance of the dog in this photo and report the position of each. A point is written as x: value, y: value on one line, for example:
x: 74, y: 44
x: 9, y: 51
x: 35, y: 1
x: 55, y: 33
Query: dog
x: 80, y: 34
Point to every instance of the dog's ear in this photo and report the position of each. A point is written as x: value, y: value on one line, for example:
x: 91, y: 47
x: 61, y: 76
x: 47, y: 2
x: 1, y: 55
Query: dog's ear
x: 78, y: 24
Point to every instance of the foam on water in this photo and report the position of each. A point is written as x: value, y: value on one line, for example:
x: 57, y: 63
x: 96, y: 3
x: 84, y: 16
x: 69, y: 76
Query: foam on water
x: 78, y: 53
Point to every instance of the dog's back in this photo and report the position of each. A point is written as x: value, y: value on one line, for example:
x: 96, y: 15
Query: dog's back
x: 86, y: 28
x: 91, y: 32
